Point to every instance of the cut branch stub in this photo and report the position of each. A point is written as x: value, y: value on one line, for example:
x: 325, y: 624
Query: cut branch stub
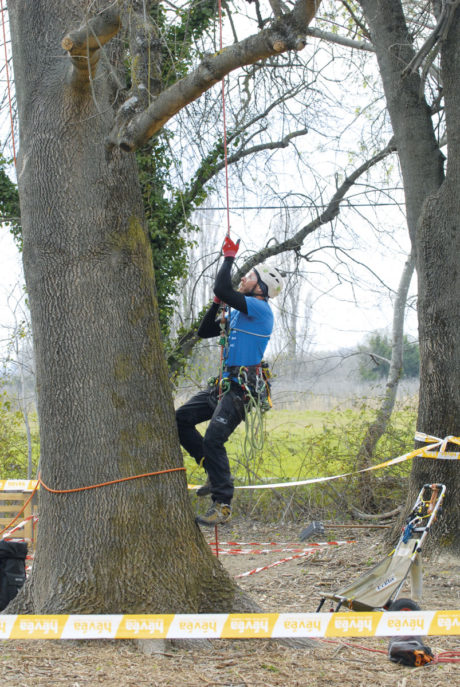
x: 84, y: 43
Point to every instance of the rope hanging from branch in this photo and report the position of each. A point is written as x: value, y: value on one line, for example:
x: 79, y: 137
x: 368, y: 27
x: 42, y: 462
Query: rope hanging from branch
x: 224, y: 120
x: 3, y: 10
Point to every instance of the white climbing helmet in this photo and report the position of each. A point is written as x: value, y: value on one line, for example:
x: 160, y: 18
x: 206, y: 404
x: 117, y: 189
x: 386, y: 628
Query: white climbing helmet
x: 271, y: 278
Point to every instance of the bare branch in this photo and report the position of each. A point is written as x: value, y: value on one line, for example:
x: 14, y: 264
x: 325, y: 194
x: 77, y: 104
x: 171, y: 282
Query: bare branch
x: 357, y: 21
x: 331, y: 211
x: 438, y: 35
x: 340, y: 40
x: 187, y: 340
x: 202, y: 178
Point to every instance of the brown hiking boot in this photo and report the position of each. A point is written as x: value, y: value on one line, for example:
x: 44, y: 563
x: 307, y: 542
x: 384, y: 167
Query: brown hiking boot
x: 216, y: 515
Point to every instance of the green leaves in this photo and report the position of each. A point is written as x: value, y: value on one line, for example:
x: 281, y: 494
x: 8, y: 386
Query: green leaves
x: 13, y: 441
x: 168, y: 224
x: 10, y: 213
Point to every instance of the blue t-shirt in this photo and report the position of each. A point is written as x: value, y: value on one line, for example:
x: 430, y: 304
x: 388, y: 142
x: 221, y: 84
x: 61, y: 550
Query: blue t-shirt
x: 249, y: 334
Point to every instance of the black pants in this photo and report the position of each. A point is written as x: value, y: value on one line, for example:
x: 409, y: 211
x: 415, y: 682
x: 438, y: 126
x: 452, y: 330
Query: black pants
x: 225, y: 415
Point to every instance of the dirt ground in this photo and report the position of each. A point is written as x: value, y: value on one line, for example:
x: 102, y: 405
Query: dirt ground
x: 295, y: 585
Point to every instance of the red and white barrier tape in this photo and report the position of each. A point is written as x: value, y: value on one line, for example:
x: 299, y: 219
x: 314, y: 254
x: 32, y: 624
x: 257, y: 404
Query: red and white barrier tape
x: 256, y: 552
x: 306, y: 552
x: 288, y: 547
x: 8, y: 534
x: 283, y: 560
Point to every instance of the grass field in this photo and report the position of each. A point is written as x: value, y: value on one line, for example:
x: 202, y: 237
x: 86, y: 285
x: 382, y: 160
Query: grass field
x: 284, y: 445
x: 305, y: 444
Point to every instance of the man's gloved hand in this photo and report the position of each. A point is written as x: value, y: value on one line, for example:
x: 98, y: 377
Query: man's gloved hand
x: 230, y: 248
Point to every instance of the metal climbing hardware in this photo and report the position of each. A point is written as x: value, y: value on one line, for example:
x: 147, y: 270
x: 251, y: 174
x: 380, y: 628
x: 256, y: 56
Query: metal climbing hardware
x: 265, y: 399
x: 224, y: 385
x: 255, y: 380
x: 220, y: 384
x: 223, y: 324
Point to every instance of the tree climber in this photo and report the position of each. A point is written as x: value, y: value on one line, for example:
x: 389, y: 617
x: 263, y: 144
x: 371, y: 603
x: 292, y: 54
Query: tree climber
x: 249, y: 330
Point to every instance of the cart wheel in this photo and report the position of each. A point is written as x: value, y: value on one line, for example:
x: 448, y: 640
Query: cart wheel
x: 404, y: 605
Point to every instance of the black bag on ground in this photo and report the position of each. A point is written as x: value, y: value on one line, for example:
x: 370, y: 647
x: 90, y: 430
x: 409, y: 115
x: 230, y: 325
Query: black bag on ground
x: 12, y: 570
x: 409, y: 651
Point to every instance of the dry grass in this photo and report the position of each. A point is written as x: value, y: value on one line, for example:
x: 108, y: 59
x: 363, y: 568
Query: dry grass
x: 295, y: 585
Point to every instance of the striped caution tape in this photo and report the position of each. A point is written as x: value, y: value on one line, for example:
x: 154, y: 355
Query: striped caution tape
x: 424, y: 452
x: 256, y: 552
x: 253, y: 543
x: 8, y: 534
x: 293, y: 548
x: 18, y: 484
x: 230, y: 625
x: 306, y: 554
x: 437, y: 442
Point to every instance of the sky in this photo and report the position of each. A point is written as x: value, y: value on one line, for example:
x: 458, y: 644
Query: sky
x: 340, y: 319
x: 341, y: 316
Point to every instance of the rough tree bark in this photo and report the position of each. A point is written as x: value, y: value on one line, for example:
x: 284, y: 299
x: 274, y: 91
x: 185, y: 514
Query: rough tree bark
x: 433, y: 221
x: 104, y: 398
x: 439, y: 302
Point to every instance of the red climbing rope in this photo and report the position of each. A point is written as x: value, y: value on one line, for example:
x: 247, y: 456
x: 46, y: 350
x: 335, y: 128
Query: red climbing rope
x: 224, y: 118
x: 106, y: 484
x: 2, y: 9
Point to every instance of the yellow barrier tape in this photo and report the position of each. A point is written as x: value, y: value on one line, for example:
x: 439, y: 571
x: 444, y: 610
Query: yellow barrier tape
x: 17, y: 484
x: 424, y: 452
x: 230, y: 625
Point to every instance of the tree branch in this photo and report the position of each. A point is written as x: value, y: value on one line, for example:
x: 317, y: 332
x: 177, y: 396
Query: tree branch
x: 438, y: 35
x: 187, y: 340
x: 286, y: 33
x: 356, y: 20
x: 206, y: 172
x: 331, y: 211
x: 84, y: 44
x: 340, y: 40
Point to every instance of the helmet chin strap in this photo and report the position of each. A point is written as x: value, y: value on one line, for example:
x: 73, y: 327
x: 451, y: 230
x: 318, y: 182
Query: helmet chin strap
x: 260, y: 294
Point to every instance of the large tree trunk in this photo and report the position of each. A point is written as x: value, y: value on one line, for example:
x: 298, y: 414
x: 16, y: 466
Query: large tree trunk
x: 439, y: 303
x: 435, y: 243
x: 104, y: 398
x: 418, y: 151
